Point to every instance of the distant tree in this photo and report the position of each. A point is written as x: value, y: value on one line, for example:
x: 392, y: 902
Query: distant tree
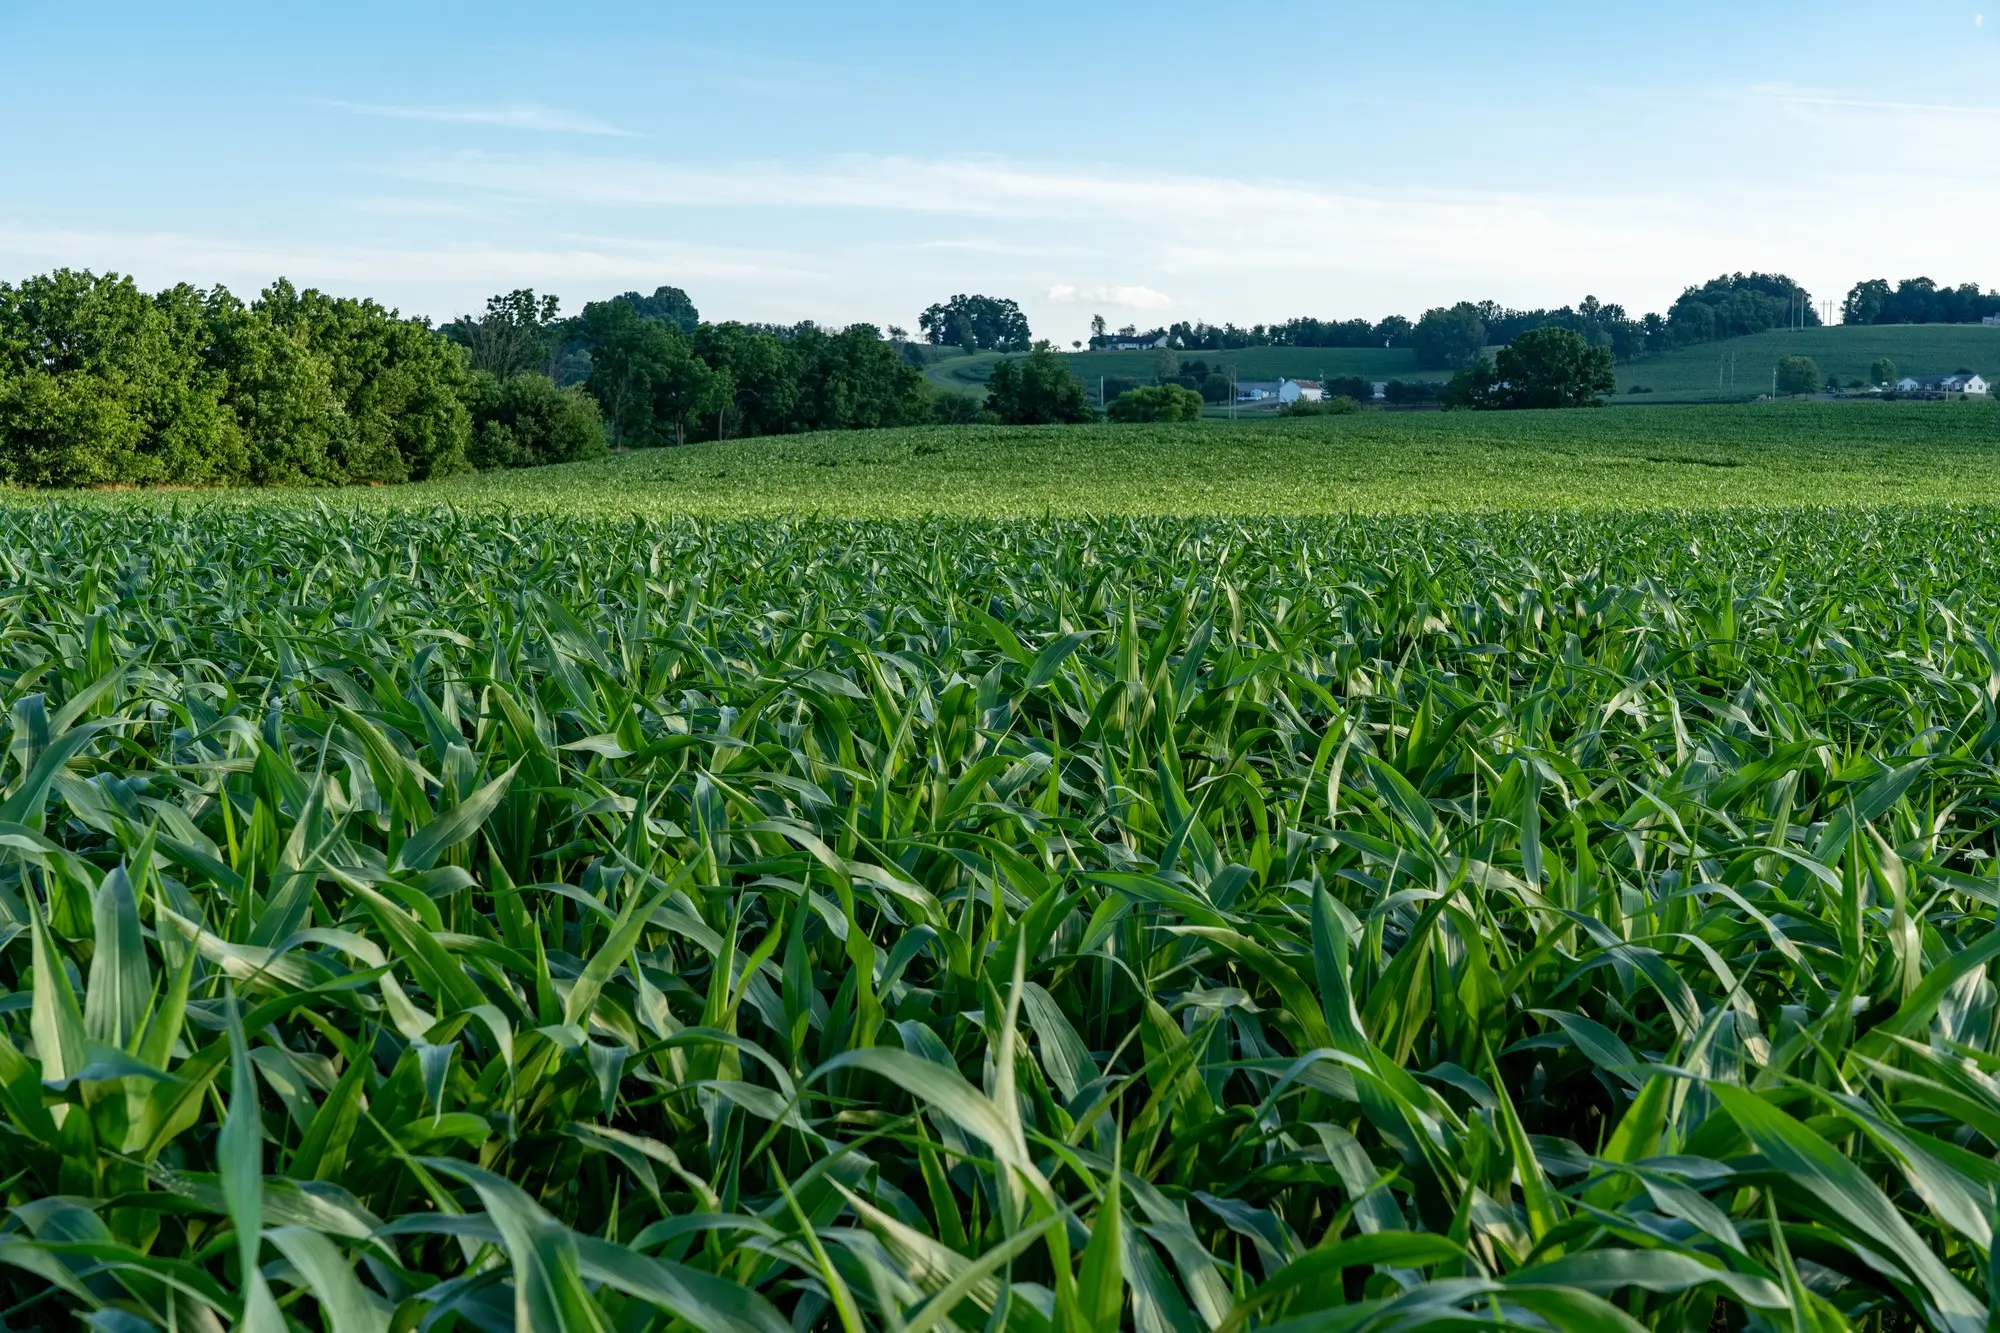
x: 669, y: 305
x: 1918, y: 301
x: 1449, y: 338
x: 1865, y: 302
x: 1738, y: 304
x: 957, y: 409
x: 1543, y: 368
x: 763, y: 379
x: 519, y: 332
x: 1883, y: 371
x: 526, y: 421
x: 646, y: 378
x: 853, y: 380
x: 1798, y: 375
x: 1097, y: 328
x: 1156, y: 402
x: 977, y: 323
x: 1037, y: 390
x: 1394, y: 331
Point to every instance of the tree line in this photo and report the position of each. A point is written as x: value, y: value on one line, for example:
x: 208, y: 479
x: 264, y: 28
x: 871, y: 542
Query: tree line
x: 1918, y: 301
x: 102, y: 383
x: 1455, y: 336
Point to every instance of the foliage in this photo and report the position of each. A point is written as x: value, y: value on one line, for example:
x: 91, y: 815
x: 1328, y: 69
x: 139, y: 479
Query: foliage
x: 1798, y: 374
x: 647, y: 378
x: 957, y: 409
x: 668, y: 305
x: 1883, y: 371
x: 519, y: 332
x: 526, y: 421
x: 102, y: 384
x: 1156, y: 402
x: 1561, y: 922
x: 853, y: 380
x: 977, y: 323
x: 1037, y: 390
x: 1918, y: 301
x: 1449, y: 338
x: 1337, y: 405
x: 1543, y: 368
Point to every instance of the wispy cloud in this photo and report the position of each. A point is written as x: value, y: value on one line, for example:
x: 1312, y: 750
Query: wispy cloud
x: 526, y: 116
x: 1121, y: 298
x: 1808, y: 97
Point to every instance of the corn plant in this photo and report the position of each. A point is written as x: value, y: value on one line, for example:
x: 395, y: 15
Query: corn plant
x: 421, y: 920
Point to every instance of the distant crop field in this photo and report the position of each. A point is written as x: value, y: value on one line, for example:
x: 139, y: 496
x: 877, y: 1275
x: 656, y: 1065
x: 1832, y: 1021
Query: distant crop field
x: 969, y: 374
x: 1702, y: 373
x: 1720, y: 455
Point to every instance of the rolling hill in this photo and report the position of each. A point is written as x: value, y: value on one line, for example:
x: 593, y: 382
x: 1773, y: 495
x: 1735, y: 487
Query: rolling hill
x: 1700, y: 374
x: 968, y: 374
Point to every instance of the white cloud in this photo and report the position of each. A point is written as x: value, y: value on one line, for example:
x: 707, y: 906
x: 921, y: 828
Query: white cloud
x: 1122, y: 298
x: 546, y: 120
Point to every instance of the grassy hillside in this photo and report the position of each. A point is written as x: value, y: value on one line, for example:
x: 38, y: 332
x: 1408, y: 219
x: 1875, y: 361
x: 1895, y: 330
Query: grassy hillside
x: 1690, y: 375
x: 968, y: 374
x: 1717, y: 455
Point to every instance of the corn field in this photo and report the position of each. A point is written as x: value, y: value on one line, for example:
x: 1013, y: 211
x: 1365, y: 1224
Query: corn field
x: 416, y: 920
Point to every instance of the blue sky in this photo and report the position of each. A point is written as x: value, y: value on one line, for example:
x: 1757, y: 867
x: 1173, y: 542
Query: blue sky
x: 1246, y: 161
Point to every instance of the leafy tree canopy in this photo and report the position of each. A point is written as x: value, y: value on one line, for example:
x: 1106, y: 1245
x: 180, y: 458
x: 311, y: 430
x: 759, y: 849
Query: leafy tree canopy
x: 977, y: 323
x: 1448, y: 338
x: 1156, y: 402
x: 669, y: 305
x: 1799, y: 374
x: 1037, y: 390
x: 1543, y: 368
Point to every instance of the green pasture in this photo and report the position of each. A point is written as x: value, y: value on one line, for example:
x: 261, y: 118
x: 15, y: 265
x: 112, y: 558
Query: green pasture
x: 1700, y: 374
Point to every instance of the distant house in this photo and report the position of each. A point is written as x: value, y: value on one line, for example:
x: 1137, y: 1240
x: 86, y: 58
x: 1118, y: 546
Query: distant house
x: 1284, y: 392
x: 1973, y: 385
x: 1134, y: 342
x: 1991, y: 319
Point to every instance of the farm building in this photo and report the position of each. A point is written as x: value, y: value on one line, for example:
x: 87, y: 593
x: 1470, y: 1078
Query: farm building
x: 1973, y: 385
x: 1279, y: 391
x: 1135, y: 342
x: 1991, y: 319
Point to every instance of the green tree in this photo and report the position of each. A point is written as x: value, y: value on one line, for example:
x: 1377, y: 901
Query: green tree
x: 1037, y: 390
x: 1156, y: 402
x: 1547, y: 367
x: 977, y: 323
x: 519, y: 332
x: 853, y: 380
x: 668, y: 305
x: 526, y: 421
x: 1798, y: 375
x: 957, y: 409
x: 1865, y: 302
x: 131, y: 373
x: 763, y: 374
x: 645, y: 376
x: 1449, y: 338
x: 1883, y: 371
x: 400, y: 385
